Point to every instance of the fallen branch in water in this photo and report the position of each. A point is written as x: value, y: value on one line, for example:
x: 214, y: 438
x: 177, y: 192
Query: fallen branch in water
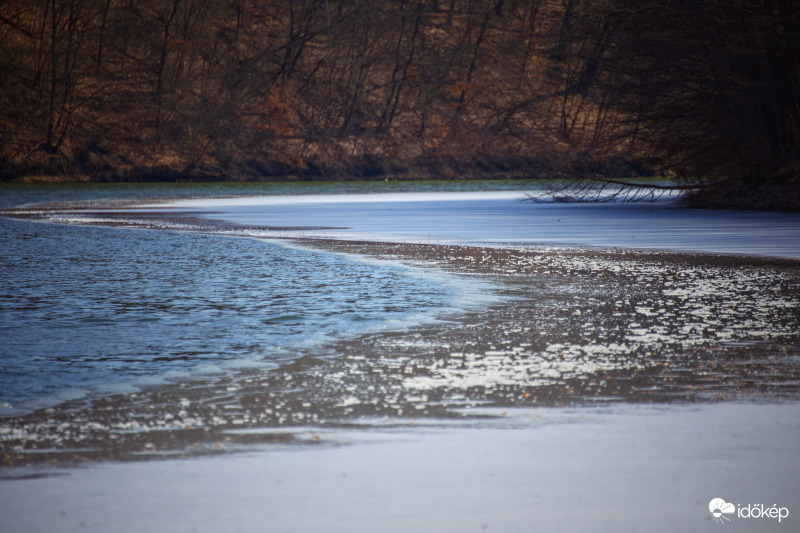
x: 592, y: 189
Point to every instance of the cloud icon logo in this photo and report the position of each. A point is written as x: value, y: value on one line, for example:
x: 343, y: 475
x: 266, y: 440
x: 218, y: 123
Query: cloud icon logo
x: 719, y: 508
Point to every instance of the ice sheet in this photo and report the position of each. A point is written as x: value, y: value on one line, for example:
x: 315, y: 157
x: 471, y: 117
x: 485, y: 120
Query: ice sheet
x: 507, y: 216
x: 631, y: 469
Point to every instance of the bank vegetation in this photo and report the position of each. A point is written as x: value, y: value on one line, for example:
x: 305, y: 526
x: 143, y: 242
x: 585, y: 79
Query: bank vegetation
x: 118, y: 90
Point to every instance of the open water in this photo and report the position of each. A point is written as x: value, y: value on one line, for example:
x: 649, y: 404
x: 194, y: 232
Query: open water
x: 91, y: 310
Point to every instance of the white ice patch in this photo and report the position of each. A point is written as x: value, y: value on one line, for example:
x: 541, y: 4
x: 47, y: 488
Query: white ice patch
x: 504, y: 217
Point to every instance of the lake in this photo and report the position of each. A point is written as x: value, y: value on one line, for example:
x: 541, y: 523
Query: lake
x: 213, y: 321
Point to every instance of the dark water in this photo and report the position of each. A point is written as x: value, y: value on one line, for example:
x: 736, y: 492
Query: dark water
x: 93, y: 309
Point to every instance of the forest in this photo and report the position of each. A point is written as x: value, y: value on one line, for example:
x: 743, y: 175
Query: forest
x: 706, y: 92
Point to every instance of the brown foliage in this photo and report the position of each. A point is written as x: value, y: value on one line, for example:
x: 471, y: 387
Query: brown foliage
x: 253, y: 89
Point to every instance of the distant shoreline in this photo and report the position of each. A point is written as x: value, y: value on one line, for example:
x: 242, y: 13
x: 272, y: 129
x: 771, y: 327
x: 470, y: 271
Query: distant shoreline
x: 166, y: 175
x: 768, y: 197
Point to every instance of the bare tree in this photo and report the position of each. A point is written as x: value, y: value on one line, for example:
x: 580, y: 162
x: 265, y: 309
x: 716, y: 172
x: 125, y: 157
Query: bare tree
x: 709, y: 89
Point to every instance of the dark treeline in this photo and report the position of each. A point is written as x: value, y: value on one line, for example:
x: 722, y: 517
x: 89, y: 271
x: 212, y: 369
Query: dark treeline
x: 708, y: 89
x: 259, y: 89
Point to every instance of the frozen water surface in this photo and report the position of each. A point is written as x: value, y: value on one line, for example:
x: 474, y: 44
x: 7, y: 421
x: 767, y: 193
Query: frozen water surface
x: 506, y: 216
x: 622, y: 470
x: 575, y: 377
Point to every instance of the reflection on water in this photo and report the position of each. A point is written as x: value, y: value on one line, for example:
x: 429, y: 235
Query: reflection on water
x: 573, y: 327
x: 562, y: 327
x: 93, y: 308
